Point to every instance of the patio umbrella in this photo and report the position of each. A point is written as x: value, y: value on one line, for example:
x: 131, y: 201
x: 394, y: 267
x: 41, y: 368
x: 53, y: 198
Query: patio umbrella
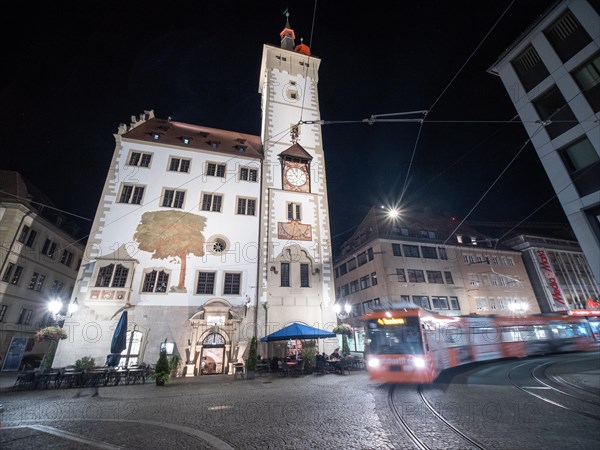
x: 298, y: 331
x: 119, y: 341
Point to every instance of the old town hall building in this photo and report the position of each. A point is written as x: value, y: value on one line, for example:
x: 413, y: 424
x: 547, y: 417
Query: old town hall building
x: 208, y: 237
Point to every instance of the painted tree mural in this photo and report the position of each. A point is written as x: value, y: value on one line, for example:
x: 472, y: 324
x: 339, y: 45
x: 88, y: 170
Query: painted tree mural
x: 171, y: 234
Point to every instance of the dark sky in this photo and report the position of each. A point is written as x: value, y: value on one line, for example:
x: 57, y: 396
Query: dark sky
x: 74, y: 72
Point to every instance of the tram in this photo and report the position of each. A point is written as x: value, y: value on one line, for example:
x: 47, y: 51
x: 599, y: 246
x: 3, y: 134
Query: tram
x: 408, y: 344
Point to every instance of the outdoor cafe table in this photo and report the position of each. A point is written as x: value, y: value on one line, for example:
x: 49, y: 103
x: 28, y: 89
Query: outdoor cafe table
x: 262, y: 367
x: 333, y: 364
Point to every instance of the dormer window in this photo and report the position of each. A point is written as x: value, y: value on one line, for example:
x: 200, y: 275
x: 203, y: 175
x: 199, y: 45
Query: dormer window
x: 213, y: 144
x: 241, y: 148
x: 155, y: 136
x: 186, y: 140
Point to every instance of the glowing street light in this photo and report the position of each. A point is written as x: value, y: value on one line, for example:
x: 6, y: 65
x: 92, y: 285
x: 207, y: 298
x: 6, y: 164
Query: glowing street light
x: 518, y: 307
x: 337, y: 308
x: 55, y: 306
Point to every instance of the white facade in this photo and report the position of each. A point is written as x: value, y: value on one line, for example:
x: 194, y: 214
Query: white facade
x: 194, y: 251
x: 39, y: 264
x: 552, y: 74
x: 177, y: 262
x: 288, y: 84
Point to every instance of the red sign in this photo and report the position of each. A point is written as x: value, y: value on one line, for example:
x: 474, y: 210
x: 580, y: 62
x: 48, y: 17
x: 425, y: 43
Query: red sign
x: 591, y: 304
x: 550, y: 277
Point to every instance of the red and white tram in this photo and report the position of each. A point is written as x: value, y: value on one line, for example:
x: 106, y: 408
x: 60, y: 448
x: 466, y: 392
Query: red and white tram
x: 407, y: 344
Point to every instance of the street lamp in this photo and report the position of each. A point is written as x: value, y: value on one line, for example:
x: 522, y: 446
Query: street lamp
x: 56, y: 306
x: 337, y: 308
x: 518, y: 308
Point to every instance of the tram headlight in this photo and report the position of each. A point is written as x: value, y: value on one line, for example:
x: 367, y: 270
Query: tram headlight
x: 418, y: 362
x: 373, y: 362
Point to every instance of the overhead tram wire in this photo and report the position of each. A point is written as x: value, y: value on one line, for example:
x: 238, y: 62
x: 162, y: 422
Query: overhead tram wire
x: 44, y: 205
x: 543, y: 124
x: 540, y: 128
x: 583, y: 172
x: 377, y: 118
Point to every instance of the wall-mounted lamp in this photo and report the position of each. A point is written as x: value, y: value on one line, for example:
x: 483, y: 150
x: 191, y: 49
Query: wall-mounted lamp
x: 274, y: 270
x: 342, y: 313
x: 57, y: 308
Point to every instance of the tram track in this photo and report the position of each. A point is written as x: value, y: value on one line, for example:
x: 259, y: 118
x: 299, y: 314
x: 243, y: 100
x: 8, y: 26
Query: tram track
x: 544, y: 367
x: 414, y: 435
x: 514, y: 381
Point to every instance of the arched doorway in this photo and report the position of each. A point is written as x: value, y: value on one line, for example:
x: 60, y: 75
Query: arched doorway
x: 213, y: 355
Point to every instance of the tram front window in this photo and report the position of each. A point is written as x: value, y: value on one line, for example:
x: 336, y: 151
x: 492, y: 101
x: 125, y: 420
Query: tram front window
x: 395, y: 339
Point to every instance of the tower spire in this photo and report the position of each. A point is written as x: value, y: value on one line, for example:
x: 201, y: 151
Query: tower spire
x: 287, y: 34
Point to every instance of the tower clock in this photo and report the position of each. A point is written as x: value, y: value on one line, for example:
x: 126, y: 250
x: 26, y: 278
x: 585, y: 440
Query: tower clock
x: 295, y: 167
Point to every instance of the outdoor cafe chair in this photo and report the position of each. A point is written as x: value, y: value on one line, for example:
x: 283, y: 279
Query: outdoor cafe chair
x: 25, y: 380
x: 298, y: 369
x: 238, y: 369
x: 343, y: 366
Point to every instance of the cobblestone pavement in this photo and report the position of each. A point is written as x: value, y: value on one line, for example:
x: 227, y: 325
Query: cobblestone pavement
x: 312, y: 411
x: 309, y: 412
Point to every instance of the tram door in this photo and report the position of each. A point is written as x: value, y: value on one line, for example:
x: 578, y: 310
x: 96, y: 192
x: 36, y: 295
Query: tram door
x: 213, y: 355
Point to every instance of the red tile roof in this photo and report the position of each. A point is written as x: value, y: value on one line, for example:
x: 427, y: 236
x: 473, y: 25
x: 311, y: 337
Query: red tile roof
x: 296, y: 151
x: 200, y: 138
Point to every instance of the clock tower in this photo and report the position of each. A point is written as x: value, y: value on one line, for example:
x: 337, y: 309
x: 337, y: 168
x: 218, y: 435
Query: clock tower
x: 295, y: 282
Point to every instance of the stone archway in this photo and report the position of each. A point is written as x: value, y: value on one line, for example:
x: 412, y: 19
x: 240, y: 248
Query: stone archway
x: 214, y: 331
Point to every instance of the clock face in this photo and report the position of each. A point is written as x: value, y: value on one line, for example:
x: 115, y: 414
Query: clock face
x: 296, y: 176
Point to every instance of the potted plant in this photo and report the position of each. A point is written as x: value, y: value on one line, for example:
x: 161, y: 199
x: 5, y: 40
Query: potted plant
x: 174, y: 364
x: 162, y: 370
x: 85, y: 364
x: 251, y: 361
x: 309, y: 355
x: 52, y: 335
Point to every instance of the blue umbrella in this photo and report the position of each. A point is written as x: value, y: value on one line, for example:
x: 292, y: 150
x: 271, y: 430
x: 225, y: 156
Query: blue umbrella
x: 119, y: 342
x: 298, y: 331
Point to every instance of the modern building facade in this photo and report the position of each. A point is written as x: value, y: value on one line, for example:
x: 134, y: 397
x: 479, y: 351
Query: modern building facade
x: 209, y: 237
x: 416, y: 258
x: 559, y: 272
x: 552, y: 74
x: 39, y: 263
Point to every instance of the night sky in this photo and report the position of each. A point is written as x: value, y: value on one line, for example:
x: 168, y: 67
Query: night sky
x: 73, y: 73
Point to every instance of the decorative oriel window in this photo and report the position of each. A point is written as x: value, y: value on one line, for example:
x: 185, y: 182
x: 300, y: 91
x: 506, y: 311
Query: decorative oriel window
x: 112, y: 276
